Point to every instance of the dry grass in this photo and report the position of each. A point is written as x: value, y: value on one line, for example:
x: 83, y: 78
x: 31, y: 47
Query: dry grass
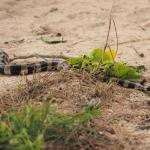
x: 71, y: 91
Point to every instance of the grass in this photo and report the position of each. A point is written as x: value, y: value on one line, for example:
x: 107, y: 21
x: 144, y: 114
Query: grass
x: 33, y: 123
x: 36, y: 127
x: 37, y: 124
x: 42, y: 126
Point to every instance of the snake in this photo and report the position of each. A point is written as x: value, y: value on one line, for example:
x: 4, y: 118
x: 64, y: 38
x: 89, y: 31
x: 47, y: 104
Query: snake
x: 56, y: 65
x: 29, y: 68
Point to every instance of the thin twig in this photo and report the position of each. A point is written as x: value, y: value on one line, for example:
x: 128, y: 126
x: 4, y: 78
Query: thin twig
x: 139, y: 54
x: 110, y: 19
x: 116, y: 34
x: 111, y: 53
x: 106, y: 43
x: 132, y: 41
x: 41, y: 56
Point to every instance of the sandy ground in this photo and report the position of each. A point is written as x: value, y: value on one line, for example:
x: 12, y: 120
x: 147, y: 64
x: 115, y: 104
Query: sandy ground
x: 84, y: 24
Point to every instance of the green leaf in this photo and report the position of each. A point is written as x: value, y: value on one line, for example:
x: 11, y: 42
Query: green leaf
x: 97, y: 54
x: 41, y: 125
x: 76, y: 62
x: 122, y: 71
x: 110, y: 55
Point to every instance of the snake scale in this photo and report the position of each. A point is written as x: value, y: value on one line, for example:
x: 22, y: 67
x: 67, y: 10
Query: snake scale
x: 56, y: 65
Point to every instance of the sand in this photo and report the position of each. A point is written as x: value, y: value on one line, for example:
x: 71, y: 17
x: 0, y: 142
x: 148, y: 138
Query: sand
x: 84, y: 24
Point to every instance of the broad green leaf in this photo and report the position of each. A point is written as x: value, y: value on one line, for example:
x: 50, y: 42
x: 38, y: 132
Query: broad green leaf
x: 97, y: 54
x: 110, y: 55
x: 125, y: 72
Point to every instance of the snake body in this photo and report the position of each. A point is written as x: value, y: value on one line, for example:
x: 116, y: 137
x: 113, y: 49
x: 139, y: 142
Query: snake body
x: 56, y: 65
x: 127, y: 84
x: 31, y: 68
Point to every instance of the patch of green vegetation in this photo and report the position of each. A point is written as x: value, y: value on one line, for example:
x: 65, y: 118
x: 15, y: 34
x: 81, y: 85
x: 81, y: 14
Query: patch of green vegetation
x: 52, y: 39
x: 37, y: 126
x: 103, y: 62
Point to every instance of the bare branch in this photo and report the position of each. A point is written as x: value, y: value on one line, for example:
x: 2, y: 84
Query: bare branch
x: 61, y: 56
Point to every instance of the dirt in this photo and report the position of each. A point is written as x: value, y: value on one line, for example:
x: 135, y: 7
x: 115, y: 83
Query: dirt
x: 84, y: 24
x: 124, y: 122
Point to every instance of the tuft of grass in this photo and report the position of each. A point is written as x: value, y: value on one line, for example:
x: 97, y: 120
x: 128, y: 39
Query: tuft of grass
x: 103, y: 62
x: 35, y: 127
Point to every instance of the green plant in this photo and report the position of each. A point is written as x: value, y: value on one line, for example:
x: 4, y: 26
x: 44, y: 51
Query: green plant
x: 103, y: 62
x: 34, y: 127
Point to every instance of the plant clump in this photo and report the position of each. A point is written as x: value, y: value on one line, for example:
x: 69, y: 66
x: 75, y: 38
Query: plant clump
x: 40, y: 126
x: 103, y: 62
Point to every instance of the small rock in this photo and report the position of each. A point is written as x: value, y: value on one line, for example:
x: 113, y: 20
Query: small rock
x: 141, y: 55
x: 53, y: 9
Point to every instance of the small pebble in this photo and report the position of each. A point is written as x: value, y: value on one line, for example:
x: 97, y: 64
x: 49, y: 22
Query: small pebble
x: 141, y: 55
